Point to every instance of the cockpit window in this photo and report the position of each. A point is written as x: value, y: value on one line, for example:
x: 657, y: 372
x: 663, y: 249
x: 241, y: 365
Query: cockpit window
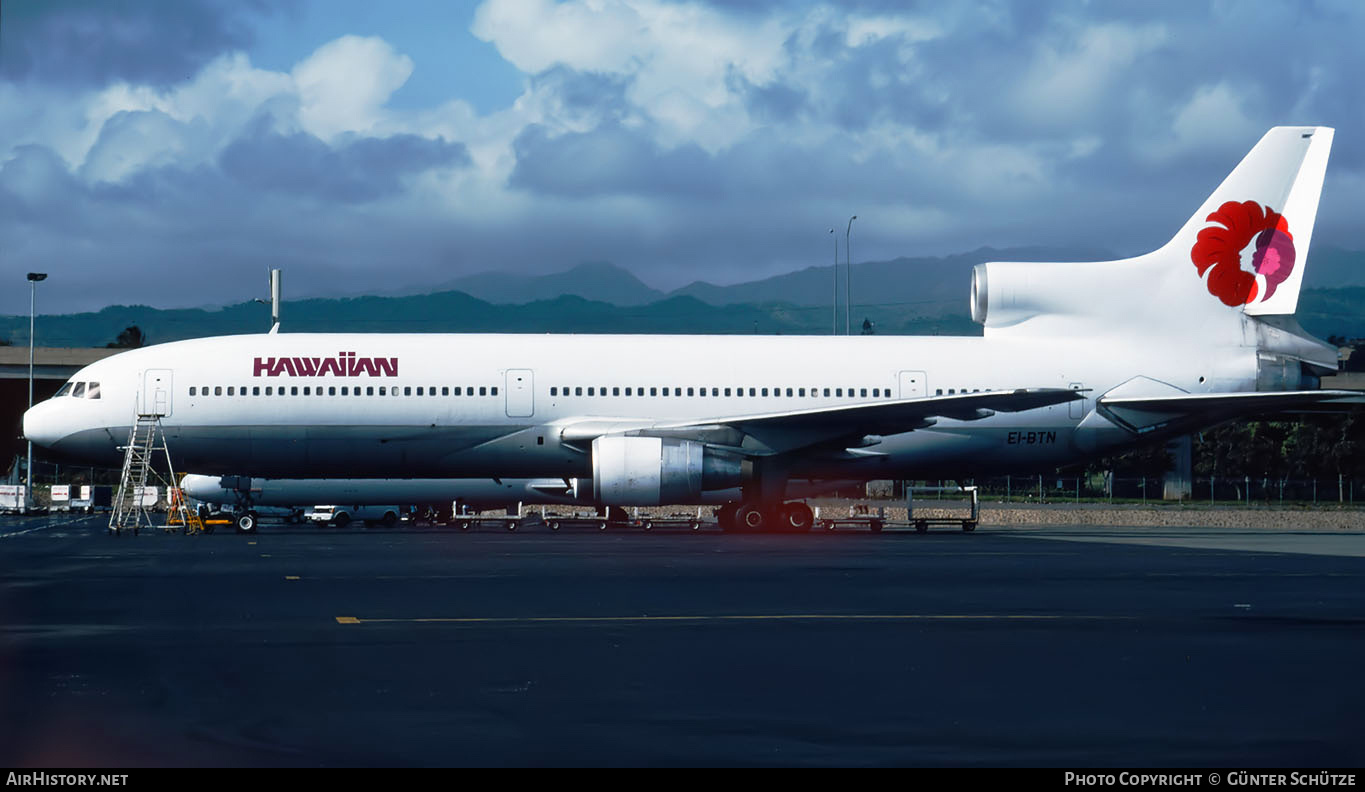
x: 93, y: 392
x: 79, y: 392
x: 65, y: 389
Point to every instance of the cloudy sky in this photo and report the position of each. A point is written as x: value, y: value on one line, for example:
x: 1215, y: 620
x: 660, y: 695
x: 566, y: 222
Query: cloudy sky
x: 171, y: 151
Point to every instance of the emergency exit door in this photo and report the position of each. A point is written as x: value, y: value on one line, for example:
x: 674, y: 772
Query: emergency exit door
x: 1077, y: 408
x: 914, y: 385
x: 520, y: 393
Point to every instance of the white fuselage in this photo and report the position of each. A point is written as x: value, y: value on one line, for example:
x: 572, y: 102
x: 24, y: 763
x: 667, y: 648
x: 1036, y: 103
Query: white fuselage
x: 387, y: 405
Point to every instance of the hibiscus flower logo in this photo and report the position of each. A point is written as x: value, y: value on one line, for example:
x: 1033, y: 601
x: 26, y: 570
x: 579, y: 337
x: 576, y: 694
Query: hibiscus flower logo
x: 1246, y: 250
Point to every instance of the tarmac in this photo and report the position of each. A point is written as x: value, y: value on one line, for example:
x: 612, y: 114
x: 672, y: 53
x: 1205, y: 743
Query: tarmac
x: 1067, y: 646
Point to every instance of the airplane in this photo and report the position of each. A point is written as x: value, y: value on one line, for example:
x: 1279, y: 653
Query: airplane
x: 1076, y: 360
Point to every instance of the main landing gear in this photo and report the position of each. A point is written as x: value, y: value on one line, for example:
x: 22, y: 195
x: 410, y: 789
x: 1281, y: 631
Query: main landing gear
x: 749, y: 517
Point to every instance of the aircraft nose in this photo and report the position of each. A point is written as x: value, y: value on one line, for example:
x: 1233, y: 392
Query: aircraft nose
x: 42, y: 425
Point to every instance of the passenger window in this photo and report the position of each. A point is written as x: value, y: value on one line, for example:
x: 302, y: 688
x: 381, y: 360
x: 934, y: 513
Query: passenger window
x: 230, y: 393
x: 419, y: 390
x: 293, y: 390
x: 789, y: 391
x: 765, y: 391
x: 483, y: 391
x: 67, y: 387
x: 727, y: 391
x: 268, y: 391
x: 331, y: 390
x: 628, y: 391
x: 689, y: 391
x: 801, y: 392
x: 407, y: 390
x: 457, y: 390
x: 826, y: 392
x: 751, y: 392
x: 255, y: 390
x: 654, y: 391
x: 592, y: 391
x: 876, y: 392
x: 445, y: 390
x: 307, y: 390
x: 863, y: 393
x: 218, y: 390
x: 578, y: 391
x: 715, y: 391
x: 345, y: 391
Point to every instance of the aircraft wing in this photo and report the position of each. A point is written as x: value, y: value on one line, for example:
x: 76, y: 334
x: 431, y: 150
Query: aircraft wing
x: 1143, y: 414
x: 771, y: 433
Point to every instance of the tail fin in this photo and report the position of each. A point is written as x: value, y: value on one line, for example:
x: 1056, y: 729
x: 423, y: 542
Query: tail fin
x: 1249, y: 240
x: 1248, y: 244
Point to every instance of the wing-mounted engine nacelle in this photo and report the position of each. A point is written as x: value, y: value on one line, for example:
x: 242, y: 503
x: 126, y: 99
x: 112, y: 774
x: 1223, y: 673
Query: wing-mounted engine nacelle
x: 653, y: 471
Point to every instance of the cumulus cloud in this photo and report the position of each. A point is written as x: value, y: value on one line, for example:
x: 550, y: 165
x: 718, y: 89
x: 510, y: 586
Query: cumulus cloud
x: 352, y: 171
x: 89, y: 43
x: 680, y: 139
x: 344, y: 85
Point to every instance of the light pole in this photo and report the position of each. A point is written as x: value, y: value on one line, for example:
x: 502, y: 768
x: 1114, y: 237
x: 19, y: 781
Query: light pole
x: 848, y: 274
x: 33, y: 278
x: 834, y: 301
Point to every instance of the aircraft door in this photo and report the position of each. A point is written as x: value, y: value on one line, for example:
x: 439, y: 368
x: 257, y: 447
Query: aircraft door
x: 156, y: 392
x: 914, y: 385
x: 1077, y: 409
x: 520, y: 393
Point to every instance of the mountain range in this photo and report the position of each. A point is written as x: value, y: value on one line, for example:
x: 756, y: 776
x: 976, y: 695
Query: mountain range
x: 904, y: 296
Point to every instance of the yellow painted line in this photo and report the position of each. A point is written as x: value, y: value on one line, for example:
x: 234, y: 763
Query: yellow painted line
x: 291, y: 577
x: 251, y: 543
x: 725, y: 618
x: 265, y: 555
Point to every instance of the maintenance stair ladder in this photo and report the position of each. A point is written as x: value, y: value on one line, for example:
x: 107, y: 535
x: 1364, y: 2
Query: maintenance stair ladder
x: 144, y: 441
